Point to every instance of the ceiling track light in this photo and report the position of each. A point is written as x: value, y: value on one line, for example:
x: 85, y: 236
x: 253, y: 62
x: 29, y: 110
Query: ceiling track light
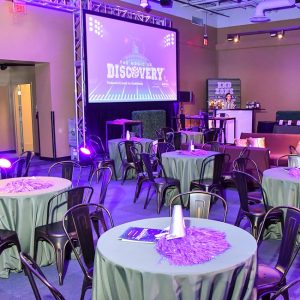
x: 236, y: 38
x: 280, y: 34
x: 144, y: 3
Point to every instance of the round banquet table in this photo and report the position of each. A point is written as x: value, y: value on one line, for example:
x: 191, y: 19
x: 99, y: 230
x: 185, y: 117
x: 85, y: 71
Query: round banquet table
x: 22, y: 211
x: 114, y: 152
x: 135, y: 271
x: 281, y: 188
x: 185, y: 166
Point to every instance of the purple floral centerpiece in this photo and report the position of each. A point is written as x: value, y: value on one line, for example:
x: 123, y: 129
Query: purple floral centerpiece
x: 25, y: 185
x: 198, y: 246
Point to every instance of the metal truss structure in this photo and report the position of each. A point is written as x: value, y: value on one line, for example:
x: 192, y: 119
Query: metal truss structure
x: 76, y: 7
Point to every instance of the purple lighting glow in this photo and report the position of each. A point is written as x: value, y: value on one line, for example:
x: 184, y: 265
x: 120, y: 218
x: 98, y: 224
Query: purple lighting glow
x: 85, y: 151
x: 5, y: 163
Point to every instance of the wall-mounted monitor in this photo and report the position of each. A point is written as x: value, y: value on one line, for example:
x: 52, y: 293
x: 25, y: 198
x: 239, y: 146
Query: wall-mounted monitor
x: 129, y: 61
x: 217, y: 88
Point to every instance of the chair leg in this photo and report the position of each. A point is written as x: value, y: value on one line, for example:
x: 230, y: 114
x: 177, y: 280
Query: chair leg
x: 239, y: 218
x: 60, y: 260
x: 138, y: 189
x: 124, y: 176
x: 147, y: 198
x: 159, y: 196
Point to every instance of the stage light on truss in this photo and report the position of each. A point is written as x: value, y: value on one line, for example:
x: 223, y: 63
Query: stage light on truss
x: 5, y: 163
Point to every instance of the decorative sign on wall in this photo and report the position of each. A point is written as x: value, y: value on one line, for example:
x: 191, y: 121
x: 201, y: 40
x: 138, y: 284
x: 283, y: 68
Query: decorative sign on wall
x: 217, y: 88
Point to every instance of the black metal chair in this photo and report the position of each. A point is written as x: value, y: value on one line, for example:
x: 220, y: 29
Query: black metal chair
x: 211, y: 135
x: 99, y: 155
x: 102, y: 177
x: 163, y: 147
x: 17, y: 169
x: 214, y: 183
x: 9, y: 238
x: 52, y: 232
x: 271, y: 279
x: 211, y: 146
x: 78, y: 219
x: 126, y: 156
x: 68, y: 169
x: 32, y: 270
x: 28, y: 156
x: 161, y: 184
x: 255, y: 213
x: 200, y: 203
x: 249, y: 166
x: 162, y: 134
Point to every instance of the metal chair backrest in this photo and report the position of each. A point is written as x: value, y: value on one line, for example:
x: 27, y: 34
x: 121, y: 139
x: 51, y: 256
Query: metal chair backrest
x: 124, y: 149
x: 33, y: 271
x: 289, y: 247
x: 212, y: 146
x: 80, y: 217
x: 69, y: 198
x: 103, y: 177
x: 28, y: 155
x: 217, y: 161
x: 67, y: 170
x: 163, y: 148
x: 17, y: 169
x: 211, y: 135
x: 96, y: 143
x: 247, y: 165
x: 199, y: 203
x: 138, y: 164
x: 148, y: 165
x: 242, y: 181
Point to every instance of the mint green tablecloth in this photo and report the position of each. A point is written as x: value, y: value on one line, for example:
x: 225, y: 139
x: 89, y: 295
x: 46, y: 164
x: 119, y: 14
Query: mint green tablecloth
x: 197, y: 137
x: 114, y: 153
x: 135, y: 271
x: 24, y: 211
x: 185, y: 167
x: 281, y: 188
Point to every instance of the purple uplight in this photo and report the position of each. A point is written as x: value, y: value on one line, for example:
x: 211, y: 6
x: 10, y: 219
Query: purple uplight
x: 5, y: 163
x: 85, y: 151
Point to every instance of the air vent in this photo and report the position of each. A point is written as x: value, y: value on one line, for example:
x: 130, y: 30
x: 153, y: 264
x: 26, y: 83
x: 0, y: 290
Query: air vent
x: 198, y: 21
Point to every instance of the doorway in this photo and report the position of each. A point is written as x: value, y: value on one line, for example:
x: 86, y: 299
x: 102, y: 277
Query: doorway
x: 23, y: 120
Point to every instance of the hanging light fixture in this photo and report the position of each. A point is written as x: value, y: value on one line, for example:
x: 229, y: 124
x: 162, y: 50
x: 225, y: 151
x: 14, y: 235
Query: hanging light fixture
x: 205, y: 35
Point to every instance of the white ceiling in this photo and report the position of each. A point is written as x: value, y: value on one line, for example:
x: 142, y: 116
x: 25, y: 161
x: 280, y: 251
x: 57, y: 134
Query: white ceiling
x: 222, y: 13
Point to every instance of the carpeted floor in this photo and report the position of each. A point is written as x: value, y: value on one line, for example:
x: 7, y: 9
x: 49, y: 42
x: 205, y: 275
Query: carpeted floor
x: 119, y: 202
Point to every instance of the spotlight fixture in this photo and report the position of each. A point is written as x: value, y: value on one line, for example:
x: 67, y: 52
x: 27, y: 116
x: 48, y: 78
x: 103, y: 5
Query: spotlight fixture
x: 280, y: 34
x: 236, y: 38
x: 5, y: 163
x: 144, y: 3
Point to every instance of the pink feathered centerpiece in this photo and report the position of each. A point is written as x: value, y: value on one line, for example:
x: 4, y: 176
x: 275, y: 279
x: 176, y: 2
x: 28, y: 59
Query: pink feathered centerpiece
x: 198, y: 246
x: 25, y: 185
x: 295, y: 172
